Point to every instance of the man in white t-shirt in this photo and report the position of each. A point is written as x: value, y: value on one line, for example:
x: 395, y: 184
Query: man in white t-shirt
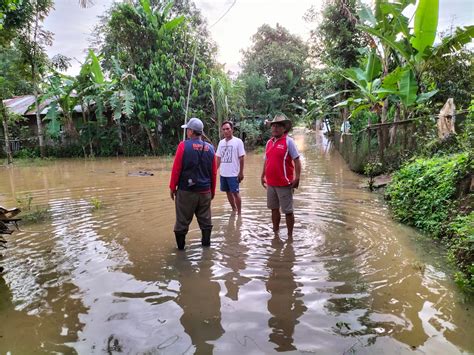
x: 230, y: 159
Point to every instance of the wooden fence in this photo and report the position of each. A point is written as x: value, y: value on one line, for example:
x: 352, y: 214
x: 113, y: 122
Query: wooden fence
x: 384, y: 143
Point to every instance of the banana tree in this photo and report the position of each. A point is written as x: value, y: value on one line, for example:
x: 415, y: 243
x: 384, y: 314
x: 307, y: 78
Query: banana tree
x: 105, y: 96
x: 61, y: 98
x: 410, y: 47
x: 366, y: 81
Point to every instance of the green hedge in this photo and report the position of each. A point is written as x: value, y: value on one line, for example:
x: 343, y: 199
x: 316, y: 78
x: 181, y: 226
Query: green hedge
x: 425, y: 193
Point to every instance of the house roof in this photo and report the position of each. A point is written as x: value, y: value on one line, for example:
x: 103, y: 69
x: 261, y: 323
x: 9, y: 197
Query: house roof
x: 21, y: 104
x: 24, y: 105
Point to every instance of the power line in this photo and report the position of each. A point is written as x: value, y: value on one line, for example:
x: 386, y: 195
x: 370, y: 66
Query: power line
x: 192, y: 68
x: 225, y: 13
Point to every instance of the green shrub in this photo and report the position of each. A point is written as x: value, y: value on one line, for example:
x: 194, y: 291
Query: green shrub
x: 461, y: 250
x: 96, y: 203
x: 30, y: 214
x: 254, y: 133
x: 426, y: 193
x: 450, y: 145
x: 27, y: 153
x: 423, y: 192
x: 36, y: 215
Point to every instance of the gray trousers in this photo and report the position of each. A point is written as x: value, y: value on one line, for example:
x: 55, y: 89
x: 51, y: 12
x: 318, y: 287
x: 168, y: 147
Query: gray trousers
x: 188, y: 204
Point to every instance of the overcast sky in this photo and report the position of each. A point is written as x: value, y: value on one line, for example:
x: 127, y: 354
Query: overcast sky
x: 72, y: 25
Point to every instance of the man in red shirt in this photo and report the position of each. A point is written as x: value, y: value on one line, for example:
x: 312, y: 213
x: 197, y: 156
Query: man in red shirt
x: 281, y: 173
x: 193, y: 183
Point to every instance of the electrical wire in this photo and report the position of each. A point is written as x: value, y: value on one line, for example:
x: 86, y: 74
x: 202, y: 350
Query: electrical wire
x: 225, y: 13
x: 192, y: 68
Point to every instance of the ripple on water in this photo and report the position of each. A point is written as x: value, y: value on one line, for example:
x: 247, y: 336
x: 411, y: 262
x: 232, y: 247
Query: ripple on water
x: 351, y: 280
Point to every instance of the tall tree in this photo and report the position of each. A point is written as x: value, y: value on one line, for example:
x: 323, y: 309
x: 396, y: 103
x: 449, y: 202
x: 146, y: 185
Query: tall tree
x: 334, y: 44
x: 161, y: 64
x: 13, y: 74
x: 281, y: 58
x: 335, y: 41
x: 25, y: 23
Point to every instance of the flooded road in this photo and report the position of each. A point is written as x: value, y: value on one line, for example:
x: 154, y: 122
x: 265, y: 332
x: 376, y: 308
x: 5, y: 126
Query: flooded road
x: 110, y: 280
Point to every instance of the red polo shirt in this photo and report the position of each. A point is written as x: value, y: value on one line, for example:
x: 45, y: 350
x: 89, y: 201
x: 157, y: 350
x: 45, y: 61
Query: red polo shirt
x: 279, y: 166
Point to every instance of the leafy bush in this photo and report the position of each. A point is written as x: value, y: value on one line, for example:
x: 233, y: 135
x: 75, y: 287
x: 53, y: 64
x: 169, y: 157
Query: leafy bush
x: 461, y: 250
x: 253, y: 133
x: 451, y: 144
x: 426, y: 193
x: 29, y: 214
x: 423, y: 192
x: 27, y: 153
x: 36, y: 215
x: 96, y: 203
x: 66, y: 150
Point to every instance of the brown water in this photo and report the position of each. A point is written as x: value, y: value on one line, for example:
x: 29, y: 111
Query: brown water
x: 111, y: 280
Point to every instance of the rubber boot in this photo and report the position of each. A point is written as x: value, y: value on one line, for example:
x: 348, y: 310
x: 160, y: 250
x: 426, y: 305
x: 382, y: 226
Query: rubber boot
x: 180, y: 239
x: 206, y: 237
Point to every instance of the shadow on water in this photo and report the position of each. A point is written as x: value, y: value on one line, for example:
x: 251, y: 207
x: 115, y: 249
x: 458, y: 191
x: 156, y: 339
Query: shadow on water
x: 285, y: 304
x: 111, y: 281
x: 199, y: 299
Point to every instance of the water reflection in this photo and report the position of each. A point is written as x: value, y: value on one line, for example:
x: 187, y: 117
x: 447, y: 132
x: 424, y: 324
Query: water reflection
x: 199, y: 299
x: 285, y: 304
x: 111, y: 281
x: 234, y: 253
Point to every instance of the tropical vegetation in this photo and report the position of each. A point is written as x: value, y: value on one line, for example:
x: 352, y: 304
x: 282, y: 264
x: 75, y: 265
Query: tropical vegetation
x: 367, y: 67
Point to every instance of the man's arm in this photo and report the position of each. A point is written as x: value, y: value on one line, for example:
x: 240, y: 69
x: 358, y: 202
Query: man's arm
x: 262, y: 179
x: 218, y: 154
x: 241, y: 170
x: 214, y: 178
x: 296, y: 181
x: 176, y: 170
x: 241, y: 153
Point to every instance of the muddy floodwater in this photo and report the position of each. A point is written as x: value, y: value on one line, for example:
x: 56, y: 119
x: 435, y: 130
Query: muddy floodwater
x: 110, y: 280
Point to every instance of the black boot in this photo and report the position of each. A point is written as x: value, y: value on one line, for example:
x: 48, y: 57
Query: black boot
x: 180, y: 239
x: 206, y: 237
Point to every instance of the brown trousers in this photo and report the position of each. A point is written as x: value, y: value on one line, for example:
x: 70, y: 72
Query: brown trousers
x: 188, y: 204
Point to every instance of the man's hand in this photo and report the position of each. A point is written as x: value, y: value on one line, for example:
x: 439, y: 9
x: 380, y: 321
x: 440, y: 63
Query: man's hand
x: 240, y: 177
x: 296, y: 183
x: 172, y: 194
x: 264, y: 183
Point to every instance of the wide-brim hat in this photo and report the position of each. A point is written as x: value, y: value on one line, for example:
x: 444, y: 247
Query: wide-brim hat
x: 281, y: 119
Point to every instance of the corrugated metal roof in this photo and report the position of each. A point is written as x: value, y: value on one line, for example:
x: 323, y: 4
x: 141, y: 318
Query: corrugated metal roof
x: 21, y: 104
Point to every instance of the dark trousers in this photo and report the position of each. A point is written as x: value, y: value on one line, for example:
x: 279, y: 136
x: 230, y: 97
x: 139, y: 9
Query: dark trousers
x: 188, y: 204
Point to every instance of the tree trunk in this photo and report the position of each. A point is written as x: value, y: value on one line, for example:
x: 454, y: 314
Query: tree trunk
x: 5, y: 131
x: 120, y: 136
x: 384, y: 132
x: 38, y: 122
x: 150, y: 138
x: 158, y: 131
x: 393, y: 129
x: 70, y: 127
x: 35, y: 87
x: 384, y: 111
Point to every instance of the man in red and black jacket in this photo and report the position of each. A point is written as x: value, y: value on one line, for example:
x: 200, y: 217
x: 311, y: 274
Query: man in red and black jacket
x: 193, y: 183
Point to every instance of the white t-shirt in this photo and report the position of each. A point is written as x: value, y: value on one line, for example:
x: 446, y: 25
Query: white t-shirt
x: 230, y: 151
